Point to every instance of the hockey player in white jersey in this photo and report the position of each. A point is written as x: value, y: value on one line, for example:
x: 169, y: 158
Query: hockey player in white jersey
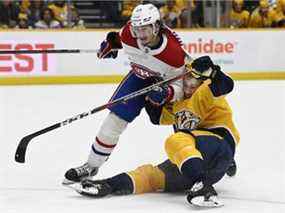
x: 155, y: 53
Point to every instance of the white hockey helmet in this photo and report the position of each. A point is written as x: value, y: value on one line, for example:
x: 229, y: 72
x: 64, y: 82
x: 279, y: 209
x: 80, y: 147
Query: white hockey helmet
x: 146, y: 14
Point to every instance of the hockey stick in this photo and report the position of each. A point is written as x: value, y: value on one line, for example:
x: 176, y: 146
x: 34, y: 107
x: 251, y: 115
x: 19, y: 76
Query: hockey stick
x: 22, y: 146
x: 51, y: 51
x: 48, y: 51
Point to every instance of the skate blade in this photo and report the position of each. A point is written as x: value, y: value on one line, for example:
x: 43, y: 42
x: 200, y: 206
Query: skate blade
x: 200, y: 202
x: 67, y: 182
x: 75, y: 186
x: 87, y: 191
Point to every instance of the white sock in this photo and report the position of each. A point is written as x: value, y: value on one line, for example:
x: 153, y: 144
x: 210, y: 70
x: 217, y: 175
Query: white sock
x: 106, y: 140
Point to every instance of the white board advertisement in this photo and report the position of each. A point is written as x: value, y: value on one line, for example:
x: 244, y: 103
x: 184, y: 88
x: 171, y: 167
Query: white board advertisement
x: 236, y: 51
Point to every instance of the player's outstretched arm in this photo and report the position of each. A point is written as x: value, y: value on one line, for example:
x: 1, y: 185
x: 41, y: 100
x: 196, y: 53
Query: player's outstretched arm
x: 204, y: 68
x: 109, y: 47
x: 222, y: 84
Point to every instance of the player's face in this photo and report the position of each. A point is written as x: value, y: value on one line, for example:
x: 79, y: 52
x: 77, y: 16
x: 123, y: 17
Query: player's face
x: 144, y: 34
x: 190, y: 85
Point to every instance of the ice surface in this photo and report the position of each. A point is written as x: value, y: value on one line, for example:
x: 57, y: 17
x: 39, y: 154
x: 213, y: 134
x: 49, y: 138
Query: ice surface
x: 259, y: 111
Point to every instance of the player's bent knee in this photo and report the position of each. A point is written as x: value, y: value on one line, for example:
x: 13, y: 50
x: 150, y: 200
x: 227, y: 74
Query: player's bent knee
x: 147, y: 178
x: 180, y: 147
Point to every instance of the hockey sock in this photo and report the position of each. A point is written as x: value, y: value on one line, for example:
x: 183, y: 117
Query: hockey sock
x: 106, y: 140
x: 193, y: 169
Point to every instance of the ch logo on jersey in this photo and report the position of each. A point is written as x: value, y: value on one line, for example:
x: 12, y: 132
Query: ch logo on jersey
x: 143, y: 72
x: 186, y: 120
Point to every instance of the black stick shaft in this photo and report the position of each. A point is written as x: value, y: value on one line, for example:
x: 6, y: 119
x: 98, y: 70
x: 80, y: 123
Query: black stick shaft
x: 48, y: 51
x: 22, y: 147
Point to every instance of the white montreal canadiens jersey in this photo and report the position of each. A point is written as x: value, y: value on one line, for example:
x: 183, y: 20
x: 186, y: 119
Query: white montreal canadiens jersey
x: 166, y: 61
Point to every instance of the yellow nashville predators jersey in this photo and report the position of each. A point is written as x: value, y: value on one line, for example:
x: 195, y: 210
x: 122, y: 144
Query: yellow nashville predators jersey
x: 208, y: 112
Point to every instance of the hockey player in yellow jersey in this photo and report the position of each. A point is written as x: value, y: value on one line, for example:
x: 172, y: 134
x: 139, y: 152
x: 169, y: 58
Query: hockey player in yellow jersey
x: 238, y: 16
x: 200, y: 150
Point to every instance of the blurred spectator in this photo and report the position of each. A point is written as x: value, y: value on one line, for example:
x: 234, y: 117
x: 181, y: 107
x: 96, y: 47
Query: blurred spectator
x: 76, y: 22
x: 47, y: 20
x: 262, y: 16
x: 24, y: 11
x: 170, y: 14
x: 60, y: 10
x: 280, y: 13
x: 239, y: 17
x: 250, y: 5
x: 9, y: 11
x: 36, y: 7
x: 25, y: 6
x: 23, y: 22
x: 192, y: 14
x: 127, y: 8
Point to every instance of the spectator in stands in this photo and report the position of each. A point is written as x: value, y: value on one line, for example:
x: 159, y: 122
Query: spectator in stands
x: 23, y: 22
x: 280, y: 13
x: 170, y: 14
x: 47, y: 20
x: 25, y: 7
x: 250, y: 6
x: 127, y: 8
x: 36, y: 7
x: 9, y: 11
x: 76, y: 22
x: 238, y: 17
x: 192, y: 14
x: 60, y: 10
x: 262, y: 16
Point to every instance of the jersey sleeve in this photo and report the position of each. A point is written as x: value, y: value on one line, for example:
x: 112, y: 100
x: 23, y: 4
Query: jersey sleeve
x: 221, y: 85
x: 127, y: 36
x: 161, y: 115
x: 175, y: 56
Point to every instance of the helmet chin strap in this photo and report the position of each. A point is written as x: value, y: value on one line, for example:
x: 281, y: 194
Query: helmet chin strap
x: 155, y: 29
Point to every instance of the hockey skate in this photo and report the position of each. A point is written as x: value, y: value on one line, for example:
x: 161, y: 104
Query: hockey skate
x: 203, y: 196
x: 92, y: 188
x: 232, y: 170
x: 78, y: 174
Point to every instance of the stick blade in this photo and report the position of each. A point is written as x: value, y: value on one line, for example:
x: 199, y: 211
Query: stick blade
x: 21, y: 149
x: 22, y: 146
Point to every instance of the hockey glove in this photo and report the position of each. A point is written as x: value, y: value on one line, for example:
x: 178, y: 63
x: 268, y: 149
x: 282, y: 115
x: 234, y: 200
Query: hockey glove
x: 203, y: 68
x: 160, y: 95
x: 108, y: 46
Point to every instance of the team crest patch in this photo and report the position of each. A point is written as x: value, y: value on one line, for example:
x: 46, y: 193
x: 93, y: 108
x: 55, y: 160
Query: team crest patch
x: 143, y: 72
x: 186, y: 120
